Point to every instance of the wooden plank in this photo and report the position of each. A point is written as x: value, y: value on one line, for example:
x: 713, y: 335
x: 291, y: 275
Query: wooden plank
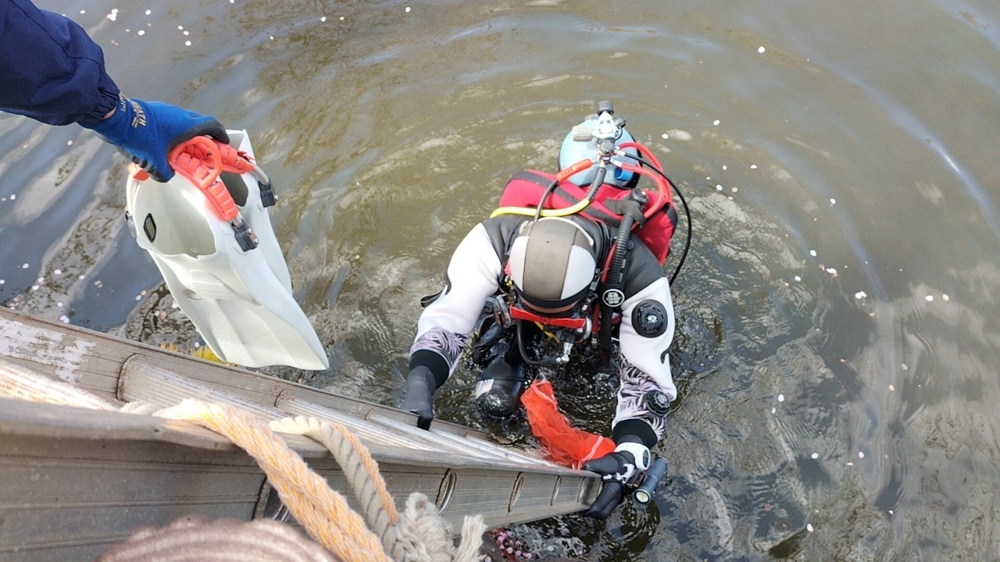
x: 78, y: 480
x: 458, y: 468
x: 406, y: 436
x: 25, y: 383
x: 94, y: 361
x: 69, y: 490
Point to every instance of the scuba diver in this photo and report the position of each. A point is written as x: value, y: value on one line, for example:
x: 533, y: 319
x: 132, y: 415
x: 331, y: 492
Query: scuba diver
x: 568, y: 263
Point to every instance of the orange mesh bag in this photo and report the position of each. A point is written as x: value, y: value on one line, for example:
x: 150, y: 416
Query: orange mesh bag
x: 563, y: 443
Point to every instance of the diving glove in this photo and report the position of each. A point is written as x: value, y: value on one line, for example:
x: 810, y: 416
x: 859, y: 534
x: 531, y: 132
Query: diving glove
x: 617, y: 470
x: 147, y: 131
x: 419, y: 400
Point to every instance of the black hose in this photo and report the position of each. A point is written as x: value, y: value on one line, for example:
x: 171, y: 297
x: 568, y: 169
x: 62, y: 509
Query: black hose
x: 545, y: 195
x: 598, y: 181
x: 614, y: 279
x: 524, y: 351
x: 687, y: 214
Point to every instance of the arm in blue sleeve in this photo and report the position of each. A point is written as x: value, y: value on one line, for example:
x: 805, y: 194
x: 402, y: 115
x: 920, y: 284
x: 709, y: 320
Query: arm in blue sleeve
x: 50, y: 69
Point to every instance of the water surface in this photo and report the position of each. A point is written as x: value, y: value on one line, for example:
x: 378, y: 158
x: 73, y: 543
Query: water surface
x: 838, y: 347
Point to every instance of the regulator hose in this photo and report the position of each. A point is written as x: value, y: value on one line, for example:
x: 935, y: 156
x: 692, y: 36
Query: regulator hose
x: 614, y: 280
x: 687, y: 214
x: 519, y: 335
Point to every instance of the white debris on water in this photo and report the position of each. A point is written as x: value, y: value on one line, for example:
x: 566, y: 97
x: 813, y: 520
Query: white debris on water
x: 407, y: 9
x: 832, y: 271
x: 797, y: 278
x: 833, y: 201
x: 814, y: 456
x: 861, y: 454
x: 945, y: 298
x: 25, y: 266
x: 680, y: 135
x: 904, y: 366
x: 892, y: 388
x: 64, y: 319
x: 753, y: 166
x: 716, y: 122
x: 929, y: 298
x: 781, y: 398
x: 809, y: 527
x: 761, y: 49
x: 665, y: 136
x: 774, y: 410
x: 860, y: 295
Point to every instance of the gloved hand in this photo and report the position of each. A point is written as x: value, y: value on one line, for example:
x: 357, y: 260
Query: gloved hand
x: 618, y: 469
x: 420, y: 387
x: 147, y: 131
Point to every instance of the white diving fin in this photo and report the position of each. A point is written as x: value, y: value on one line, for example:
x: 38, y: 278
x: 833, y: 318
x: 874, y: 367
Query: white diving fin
x: 210, y: 235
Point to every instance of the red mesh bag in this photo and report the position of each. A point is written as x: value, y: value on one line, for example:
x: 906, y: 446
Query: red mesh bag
x: 563, y: 443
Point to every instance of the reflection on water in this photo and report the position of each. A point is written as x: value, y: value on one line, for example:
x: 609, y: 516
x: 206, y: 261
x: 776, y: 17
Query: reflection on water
x: 837, y: 341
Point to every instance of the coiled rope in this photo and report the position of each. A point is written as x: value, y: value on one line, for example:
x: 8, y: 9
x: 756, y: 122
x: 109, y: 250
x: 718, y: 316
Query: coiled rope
x: 418, y: 535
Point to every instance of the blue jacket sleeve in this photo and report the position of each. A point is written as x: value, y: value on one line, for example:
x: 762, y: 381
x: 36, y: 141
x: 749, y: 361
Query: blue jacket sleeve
x: 50, y: 69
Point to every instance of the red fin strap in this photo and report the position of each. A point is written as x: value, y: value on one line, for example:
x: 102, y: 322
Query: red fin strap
x: 200, y: 160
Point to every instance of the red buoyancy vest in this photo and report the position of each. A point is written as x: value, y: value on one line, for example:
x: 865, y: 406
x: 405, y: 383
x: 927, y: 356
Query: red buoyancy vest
x: 526, y: 188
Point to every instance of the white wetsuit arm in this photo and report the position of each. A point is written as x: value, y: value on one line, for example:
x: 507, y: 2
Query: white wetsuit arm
x: 645, y: 359
x: 444, y: 326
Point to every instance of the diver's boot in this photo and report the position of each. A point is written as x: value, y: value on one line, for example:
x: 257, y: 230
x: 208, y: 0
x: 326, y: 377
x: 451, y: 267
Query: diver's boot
x: 499, y: 388
x: 419, y: 400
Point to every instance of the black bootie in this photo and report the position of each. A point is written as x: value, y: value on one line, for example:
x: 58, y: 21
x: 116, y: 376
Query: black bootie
x: 499, y: 388
x: 420, y: 387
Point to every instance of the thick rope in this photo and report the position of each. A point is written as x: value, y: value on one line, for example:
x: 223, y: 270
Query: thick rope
x: 323, y: 512
x: 194, y: 538
x: 419, y: 534
x: 360, y: 469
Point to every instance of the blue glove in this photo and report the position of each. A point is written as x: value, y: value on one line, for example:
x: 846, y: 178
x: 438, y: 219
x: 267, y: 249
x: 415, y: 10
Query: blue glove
x: 147, y: 131
x: 617, y: 470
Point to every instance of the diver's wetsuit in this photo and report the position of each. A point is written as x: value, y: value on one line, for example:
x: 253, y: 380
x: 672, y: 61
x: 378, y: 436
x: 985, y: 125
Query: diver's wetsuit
x: 475, y: 273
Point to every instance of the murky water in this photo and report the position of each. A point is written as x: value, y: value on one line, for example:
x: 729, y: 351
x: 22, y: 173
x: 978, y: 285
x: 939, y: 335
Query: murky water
x: 838, y: 346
